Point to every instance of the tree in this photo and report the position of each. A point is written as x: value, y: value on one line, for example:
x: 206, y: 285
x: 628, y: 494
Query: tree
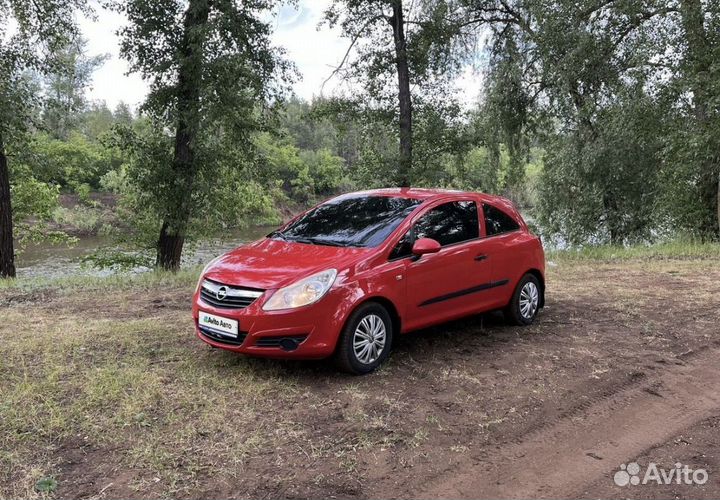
x: 65, y: 87
x: 699, y: 74
x: 123, y: 114
x: 210, y: 65
x: 395, y: 48
x: 506, y: 109
x: 588, y: 69
x: 30, y: 34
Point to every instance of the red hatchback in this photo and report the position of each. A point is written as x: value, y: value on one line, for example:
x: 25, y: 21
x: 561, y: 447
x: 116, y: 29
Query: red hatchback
x: 345, y: 277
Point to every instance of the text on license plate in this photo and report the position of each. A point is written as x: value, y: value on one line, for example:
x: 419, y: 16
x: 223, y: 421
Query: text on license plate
x: 219, y: 324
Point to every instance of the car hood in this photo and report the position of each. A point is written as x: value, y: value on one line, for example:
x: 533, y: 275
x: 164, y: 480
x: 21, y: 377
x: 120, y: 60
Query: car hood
x: 273, y: 263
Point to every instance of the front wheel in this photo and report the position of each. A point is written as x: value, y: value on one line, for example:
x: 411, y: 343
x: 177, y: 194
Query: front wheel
x: 525, y: 302
x: 365, y: 340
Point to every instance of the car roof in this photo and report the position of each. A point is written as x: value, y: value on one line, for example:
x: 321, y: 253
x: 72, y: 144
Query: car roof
x: 423, y: 194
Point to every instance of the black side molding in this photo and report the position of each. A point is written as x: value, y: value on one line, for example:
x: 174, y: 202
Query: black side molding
x: 466, y: 291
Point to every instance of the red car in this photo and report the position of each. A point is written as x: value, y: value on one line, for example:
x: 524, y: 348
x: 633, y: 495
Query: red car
x: 347, y: 276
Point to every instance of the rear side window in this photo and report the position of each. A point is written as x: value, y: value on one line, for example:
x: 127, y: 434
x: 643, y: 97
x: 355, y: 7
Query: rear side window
x: 497, y: 221
x: 448, y: 223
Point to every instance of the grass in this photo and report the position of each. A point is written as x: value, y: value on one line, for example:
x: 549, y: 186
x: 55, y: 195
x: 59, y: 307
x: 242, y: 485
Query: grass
x: 92, y: 381
x: 674, y: 249
x: 185, y: 277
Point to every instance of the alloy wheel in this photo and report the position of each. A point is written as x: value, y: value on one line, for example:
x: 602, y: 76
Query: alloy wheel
x: 369, y: 339
x: 529, y: 299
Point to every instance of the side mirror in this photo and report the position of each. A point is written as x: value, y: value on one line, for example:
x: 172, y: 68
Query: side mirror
x: 424, y: 246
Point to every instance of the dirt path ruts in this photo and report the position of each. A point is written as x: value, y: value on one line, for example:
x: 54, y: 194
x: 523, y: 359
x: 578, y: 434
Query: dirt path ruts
x: 561, y: 458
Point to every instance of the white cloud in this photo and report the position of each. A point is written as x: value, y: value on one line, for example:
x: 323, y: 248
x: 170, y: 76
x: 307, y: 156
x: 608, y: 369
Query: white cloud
x: 110, y: 82
x: 314, y: 52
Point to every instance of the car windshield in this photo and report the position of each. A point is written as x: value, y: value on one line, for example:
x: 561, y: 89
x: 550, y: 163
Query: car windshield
x: 354, y: 221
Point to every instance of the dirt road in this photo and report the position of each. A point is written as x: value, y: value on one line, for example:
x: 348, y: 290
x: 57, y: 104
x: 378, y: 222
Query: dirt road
x: 586, y: 445
x: 621, y: 367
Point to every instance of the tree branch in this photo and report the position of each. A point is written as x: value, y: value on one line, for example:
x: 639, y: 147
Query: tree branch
x: 354, y: 40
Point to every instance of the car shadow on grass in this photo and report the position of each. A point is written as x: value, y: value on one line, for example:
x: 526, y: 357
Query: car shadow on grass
x: 440, y: 343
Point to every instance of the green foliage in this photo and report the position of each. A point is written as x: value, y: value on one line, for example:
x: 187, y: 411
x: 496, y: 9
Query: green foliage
x: 34, y: 205
x: 325, y: 169
x: 601, y: 118
x: 403, y: 55
x: 70, y: 163
x: 31, y: 36
x: 82, y: 219
x: 477, y: 171
x: 96, y: 120
x: 583, y: 199
x: 210, y: 65
x: 225, y: 196
x: 65, y: 86
x: 623, y: 98
x: 305, y: 174
x: 115, y: 181
x: 46, y: 484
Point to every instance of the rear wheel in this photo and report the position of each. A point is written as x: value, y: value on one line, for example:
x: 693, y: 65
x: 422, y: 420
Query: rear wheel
x: 525, y: 302
x: 365, y: 340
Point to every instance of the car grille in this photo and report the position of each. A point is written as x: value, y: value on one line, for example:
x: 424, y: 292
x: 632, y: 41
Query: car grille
x: 223, y: 339
x: 226, y: 296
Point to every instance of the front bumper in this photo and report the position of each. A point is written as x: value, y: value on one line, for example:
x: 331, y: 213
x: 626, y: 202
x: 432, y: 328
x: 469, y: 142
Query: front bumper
x: 309, y: 332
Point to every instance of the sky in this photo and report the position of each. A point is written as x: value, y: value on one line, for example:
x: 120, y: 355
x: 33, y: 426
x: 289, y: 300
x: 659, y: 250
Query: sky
x: 315, y: 53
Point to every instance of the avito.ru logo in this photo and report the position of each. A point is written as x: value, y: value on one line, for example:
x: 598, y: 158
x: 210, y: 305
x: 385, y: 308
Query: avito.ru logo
x: 681, y: 474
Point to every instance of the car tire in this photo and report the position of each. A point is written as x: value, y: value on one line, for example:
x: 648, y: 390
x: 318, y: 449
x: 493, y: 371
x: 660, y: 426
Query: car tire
x: 525, y: 302
x: 369, y: 323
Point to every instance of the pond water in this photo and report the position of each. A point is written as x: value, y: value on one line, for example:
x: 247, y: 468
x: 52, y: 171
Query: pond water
x: 55, y: 261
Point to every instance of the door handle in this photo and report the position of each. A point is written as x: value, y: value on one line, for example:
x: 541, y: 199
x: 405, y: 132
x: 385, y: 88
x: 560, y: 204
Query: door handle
x: 480, y: 257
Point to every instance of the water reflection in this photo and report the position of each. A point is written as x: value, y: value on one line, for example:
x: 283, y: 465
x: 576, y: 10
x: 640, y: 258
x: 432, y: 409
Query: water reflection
x: 55, y: 261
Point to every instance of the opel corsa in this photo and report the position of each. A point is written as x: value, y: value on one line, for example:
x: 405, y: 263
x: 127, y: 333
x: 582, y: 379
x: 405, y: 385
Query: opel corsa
x: 349, y: 275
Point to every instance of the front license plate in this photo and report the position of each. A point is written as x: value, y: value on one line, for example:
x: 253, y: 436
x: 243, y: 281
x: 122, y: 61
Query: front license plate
x: 219, y: 324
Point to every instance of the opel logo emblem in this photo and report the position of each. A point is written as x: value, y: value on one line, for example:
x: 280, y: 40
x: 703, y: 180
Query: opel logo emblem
x: 221, y: 293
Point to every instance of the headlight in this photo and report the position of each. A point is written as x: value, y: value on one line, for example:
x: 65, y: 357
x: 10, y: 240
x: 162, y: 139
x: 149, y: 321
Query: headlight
x: 303, y: 292
x: 202, y: 273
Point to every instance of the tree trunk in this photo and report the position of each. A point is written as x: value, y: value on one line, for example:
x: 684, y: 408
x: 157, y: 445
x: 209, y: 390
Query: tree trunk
x: 611, y: 215
x: 7, y: 252
x: 401, y: 63
x: 174, y: 227
x: 698, y: 72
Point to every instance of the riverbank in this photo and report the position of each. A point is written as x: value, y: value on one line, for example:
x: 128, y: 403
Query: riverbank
x: 107, y: 393
x: 94, y: 225
x: 97, y: 214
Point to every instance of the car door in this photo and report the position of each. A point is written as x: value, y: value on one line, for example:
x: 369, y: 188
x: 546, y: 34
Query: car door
x: 501, y: 236
x: 445, y: 284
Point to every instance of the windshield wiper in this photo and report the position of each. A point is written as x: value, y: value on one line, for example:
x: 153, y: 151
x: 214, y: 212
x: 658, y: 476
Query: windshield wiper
x: 329, y: 243
x: 317, y: 241
x: 277, y: 234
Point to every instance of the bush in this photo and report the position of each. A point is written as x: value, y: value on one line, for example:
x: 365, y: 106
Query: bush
x: 304, y: 174
x: 85, y: 220
x: 70, y: 163
x: 34, y: 203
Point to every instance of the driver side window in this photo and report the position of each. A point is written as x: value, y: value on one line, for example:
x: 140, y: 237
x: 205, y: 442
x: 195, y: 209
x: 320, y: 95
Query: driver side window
x: 449, y: 223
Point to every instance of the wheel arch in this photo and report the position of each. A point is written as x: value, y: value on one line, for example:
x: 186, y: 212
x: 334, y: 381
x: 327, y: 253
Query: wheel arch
x: 541, y: 280
x: 392, y: 310
x: 389, y: 306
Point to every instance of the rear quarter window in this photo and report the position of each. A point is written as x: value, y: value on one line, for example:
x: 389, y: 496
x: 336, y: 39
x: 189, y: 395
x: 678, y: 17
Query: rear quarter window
x: 497, y: 221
